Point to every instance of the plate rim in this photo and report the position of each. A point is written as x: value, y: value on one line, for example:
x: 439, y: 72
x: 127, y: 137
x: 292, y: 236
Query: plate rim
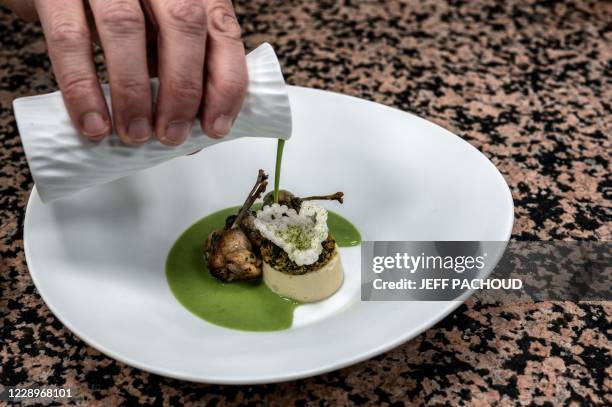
x: 281, y: 377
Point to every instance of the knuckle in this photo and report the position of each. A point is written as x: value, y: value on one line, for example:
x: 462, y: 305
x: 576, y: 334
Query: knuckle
x: 233, y: 85
x: 187, y: 16
x: 186, y: 89
x: 224, y: 22
x: 77, y: 85
x: 68, y: 34
x: 132, y: 88
x: 122, y: 17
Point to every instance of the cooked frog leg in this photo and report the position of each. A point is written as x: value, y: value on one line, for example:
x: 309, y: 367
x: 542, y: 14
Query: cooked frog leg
x: 258, y: 189
x: 338, y: 196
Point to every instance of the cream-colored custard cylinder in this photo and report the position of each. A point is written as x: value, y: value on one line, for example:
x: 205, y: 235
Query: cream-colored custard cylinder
x: 313, y: 286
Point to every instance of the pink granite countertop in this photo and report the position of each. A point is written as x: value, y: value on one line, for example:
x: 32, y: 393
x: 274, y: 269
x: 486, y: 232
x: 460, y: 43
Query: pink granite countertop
x: 528, y: 83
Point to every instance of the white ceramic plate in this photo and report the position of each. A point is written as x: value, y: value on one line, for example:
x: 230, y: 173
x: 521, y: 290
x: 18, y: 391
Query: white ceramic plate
x: 97, y: 258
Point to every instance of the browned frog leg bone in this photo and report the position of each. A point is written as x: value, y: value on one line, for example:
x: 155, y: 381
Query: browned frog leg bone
x: 258, y: 189
x: 338, y: 196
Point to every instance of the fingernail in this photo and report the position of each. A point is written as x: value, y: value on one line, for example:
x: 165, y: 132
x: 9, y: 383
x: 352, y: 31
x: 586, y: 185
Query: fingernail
x: 222, y: 125
x: 177, y: 132
x: 139, y: 130
x: 94, y: 124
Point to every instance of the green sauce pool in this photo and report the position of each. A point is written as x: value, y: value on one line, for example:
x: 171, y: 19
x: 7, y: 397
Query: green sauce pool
x: 247, y: 306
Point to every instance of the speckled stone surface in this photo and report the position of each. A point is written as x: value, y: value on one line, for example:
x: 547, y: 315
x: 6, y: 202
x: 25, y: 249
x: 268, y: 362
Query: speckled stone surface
x: 528, y: 83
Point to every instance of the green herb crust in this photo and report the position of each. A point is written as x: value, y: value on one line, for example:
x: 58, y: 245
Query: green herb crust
x: 279, y: 259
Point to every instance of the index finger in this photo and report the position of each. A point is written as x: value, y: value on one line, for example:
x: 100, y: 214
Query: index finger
x: 69, y: 43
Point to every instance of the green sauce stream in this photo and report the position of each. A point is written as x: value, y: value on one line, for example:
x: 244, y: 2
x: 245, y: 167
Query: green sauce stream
x: 279, y: 159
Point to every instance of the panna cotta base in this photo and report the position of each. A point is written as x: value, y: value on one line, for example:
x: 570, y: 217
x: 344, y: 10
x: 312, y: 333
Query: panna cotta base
x: 313, y: 286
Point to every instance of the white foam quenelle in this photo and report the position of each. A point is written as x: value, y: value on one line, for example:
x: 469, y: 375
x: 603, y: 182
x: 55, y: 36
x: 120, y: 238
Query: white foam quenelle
x: 63, y: 162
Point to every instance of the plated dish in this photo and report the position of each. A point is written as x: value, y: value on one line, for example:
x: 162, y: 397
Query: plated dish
x: 98, y: 258
x: 260, y: 260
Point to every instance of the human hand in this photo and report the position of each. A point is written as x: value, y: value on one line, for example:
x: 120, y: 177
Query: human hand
x: 197, y: 53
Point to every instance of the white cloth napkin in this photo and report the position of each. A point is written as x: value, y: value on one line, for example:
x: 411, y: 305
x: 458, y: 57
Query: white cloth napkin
x: 63, y: 162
